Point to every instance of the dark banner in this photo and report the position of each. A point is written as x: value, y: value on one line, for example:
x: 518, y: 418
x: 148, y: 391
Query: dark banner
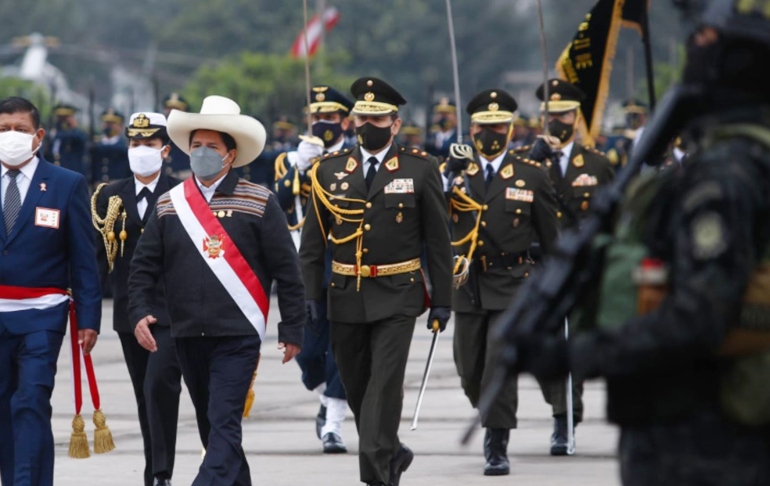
x: 587, y: 60
x: 634, y: 12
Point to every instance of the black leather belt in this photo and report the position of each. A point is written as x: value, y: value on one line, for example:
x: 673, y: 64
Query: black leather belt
x: 503, y: 260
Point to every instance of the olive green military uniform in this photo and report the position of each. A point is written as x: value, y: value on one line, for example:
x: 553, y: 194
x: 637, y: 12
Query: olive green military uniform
x: 373, y: 314
x: 518, y: 206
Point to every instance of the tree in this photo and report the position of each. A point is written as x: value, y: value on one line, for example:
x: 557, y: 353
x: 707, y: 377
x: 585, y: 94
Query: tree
x: 264, y: 85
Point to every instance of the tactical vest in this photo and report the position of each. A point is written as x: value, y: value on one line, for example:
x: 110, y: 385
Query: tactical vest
x: 634, y: 284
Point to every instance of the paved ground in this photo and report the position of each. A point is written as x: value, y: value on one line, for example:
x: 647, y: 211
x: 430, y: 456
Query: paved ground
x: 280, y: 436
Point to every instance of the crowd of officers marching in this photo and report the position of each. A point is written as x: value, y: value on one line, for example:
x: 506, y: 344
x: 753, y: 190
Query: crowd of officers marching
x: 504, y: 203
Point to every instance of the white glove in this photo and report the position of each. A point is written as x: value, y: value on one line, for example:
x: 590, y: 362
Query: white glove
x: 306, y: 153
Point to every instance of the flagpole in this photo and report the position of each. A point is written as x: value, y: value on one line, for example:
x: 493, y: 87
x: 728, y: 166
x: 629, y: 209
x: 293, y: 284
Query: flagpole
x: 648, y: 56
x: 307, y: 70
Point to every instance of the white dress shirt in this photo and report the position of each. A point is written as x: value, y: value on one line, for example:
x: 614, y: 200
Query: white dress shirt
x: 380, y: 157
x: 208, y: 192
x: 23, y: 180
x: 495, y: 163
x: 141, y: 206
x: 566, y: 151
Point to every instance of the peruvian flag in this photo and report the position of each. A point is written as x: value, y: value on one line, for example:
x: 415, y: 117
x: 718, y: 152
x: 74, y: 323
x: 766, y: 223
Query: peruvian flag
x: 314, y: 32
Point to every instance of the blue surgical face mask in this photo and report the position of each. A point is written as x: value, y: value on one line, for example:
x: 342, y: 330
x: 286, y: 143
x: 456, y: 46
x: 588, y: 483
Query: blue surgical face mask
x: 206, y: 163
x: 327, y: 131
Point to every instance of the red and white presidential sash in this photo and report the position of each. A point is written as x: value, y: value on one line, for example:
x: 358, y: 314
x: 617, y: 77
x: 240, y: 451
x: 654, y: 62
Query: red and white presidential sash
x: 220, y: 253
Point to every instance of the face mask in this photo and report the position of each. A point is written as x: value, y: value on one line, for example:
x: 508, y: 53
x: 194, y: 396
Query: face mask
x: 16, y: 147
x: 206, y: 163
x: 561, y: 130
x: 145, y: 161
x: 327, y: 131
x: 490, y: 143
x: 373, y: 138
x: 445, y: 123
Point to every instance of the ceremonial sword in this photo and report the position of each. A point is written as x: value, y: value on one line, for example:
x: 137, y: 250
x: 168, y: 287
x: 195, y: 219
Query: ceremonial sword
x: 457, y: 150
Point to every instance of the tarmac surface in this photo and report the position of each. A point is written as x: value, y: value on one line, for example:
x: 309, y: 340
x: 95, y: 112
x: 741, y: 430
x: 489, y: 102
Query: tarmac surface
x: 280, y: 439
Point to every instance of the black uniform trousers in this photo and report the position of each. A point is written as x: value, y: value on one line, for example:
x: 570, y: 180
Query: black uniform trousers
x: 156, y: 379
x: 218, y: 371
x: 372, y: 362
x: 475, y: 355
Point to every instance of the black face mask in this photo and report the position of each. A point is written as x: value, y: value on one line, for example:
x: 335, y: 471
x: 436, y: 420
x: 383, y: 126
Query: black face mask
x: 561, y: 130
x: 490, y: 143
x: 373, y: 138
x: 327, y: 131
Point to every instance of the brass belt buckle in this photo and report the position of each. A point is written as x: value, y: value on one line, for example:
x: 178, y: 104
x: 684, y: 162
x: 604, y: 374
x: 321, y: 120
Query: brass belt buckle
x: 365, y: 271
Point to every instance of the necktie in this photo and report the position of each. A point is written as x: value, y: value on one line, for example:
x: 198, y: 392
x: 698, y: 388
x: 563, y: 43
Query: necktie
x: 144, y: 194
x: 371, y: 172
x: 490, y: 175
x: 12, y: 203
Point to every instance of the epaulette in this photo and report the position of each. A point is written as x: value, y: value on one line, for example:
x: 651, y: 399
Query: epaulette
x: 415, y: 152
x: 594, y: 150
x: 524, y: 159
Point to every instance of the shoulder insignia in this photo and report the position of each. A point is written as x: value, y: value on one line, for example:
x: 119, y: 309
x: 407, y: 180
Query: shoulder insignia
x: 511, y: 152
x: 392, y: 164
x: 530, y: 162
x: 472, y: 169
x: 326, y: 156
x: 337, y: 152
x: 346, y: 150
x: 507, y: 172
x: 351, y: 165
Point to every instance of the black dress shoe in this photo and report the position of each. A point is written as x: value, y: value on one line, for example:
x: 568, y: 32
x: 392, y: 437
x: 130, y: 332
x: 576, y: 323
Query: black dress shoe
x: 333, y: 444
x: 162, y: 482
x: 320, y: 421
x: 400, y: 463
x: 496, y: 452
x: 559, y: 439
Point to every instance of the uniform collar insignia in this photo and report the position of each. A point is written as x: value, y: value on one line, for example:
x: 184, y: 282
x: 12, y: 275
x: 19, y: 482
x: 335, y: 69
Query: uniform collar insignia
x: 578, y: 161
x: 392, y: 164
x: 351, y: 165
x: 507, y: 172
x: 472, y: 169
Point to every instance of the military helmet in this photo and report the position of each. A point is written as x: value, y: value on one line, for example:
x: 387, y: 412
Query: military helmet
x: 740, y: 19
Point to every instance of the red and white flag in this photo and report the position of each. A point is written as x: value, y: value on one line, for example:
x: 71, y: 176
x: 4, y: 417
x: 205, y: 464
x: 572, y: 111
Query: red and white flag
x: 314, y: 32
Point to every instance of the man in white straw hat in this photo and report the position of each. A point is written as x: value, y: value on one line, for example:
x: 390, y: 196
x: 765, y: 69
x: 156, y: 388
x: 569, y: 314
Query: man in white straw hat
x: 219, y: 242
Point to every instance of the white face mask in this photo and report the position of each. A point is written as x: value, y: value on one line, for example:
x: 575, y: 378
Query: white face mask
x: 16, y: 147
x: 145, y: 161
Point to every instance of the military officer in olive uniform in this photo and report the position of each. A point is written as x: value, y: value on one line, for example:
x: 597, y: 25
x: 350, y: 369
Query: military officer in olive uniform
x: 380, y: 205
x: 507, y: 203
x: 577, y: 171
x: 109, y: 155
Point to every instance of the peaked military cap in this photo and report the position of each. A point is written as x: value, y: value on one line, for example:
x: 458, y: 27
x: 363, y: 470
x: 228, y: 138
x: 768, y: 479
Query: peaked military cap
x: 562, y: 96
x: 146, y: 125
x: 325, y: 99
x: 112, y: 115
x: 445, y: 106
x: 634, y: 106
x: 375, y: 97
x: 176, y: 101
x: 411, y: 128
x: 63, y: 109
x: 492, y: 106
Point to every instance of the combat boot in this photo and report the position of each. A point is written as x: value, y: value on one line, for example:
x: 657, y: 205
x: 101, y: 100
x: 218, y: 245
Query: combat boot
x: 496, y: 452
x: 559, y: 439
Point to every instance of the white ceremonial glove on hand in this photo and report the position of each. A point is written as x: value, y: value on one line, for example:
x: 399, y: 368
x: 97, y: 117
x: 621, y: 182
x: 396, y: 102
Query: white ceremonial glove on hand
x: 307, y: 152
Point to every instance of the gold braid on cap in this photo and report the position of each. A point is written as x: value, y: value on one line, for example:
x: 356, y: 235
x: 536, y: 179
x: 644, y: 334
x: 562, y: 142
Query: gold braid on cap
x: 106, y: 225
x: 321, y: 195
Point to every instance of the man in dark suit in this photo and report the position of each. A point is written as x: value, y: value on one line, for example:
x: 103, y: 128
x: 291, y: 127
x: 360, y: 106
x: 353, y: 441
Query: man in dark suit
x: 156, y: 377
x: 330, y: 112
x: 508, y: 202
x: 381, y: 205
x: 47, y: 247
x: 218, y: 242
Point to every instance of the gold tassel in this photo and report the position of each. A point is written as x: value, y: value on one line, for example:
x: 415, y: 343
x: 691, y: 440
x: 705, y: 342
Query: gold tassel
x: 250, y: 395
x: 102, y: 436
x: 79, y: 440
x: 295, y: 186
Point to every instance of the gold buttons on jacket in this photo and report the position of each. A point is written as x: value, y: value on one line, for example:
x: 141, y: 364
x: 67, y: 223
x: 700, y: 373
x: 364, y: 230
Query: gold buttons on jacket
x: 481, y: 243
x: 400, y: 205
x: 558, y: 214
x: 368, y: 205
x: 484, y: 207
x: 584, y: 206
x: 365, y: 250
x: 484, y: 224
x: 367, y: 227
x: 518, y: 211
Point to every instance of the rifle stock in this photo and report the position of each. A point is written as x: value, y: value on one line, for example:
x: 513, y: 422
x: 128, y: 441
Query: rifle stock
x: 551, y: 292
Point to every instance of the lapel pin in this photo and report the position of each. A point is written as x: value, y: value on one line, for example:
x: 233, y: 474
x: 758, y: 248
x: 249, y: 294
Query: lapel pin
x: 42, y: 187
